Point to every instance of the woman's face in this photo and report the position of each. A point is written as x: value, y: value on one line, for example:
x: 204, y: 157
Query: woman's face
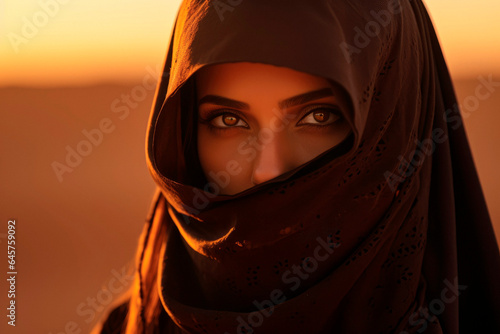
x: 258, y: 121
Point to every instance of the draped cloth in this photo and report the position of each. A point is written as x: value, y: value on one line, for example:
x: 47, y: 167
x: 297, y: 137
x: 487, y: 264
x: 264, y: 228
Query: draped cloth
x: 387, y: 232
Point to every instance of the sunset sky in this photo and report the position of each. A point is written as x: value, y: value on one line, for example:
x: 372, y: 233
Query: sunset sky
x: 68, y: 42
x: 75, y: 234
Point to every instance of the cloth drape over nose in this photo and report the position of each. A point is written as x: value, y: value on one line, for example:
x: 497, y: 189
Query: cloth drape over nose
x: 379, y: 234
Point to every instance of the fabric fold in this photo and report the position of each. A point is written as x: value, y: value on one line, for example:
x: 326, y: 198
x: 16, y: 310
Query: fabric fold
x: 371, y: 235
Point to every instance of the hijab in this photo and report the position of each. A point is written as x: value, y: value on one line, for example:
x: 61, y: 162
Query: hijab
x: 387, y: 232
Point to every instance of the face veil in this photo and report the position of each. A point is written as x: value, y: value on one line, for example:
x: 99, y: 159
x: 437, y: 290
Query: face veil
x: 378, y: 234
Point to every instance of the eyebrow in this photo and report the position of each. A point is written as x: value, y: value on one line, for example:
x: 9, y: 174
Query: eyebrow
x: 286, y: 103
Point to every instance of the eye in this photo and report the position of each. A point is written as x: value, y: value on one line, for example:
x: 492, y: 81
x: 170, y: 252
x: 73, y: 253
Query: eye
x: 320, y: 116
x: 227, y: 120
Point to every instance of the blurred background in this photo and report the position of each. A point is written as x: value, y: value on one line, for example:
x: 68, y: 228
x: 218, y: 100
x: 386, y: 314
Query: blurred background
x: 75, y: 71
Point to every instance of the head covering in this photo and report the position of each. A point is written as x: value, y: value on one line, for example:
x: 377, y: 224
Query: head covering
x: 386, y: 232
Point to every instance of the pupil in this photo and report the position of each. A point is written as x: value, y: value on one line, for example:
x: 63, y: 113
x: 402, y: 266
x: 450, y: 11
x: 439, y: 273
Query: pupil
x: 229, y: 120
x: 321, y: 116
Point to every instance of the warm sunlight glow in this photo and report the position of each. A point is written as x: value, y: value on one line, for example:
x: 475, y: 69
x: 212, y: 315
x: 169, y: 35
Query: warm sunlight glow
x: 469, y: 33
x: 59, y: 42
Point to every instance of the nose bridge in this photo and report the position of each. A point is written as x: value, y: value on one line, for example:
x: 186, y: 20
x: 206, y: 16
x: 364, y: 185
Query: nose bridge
x: 271, y: 158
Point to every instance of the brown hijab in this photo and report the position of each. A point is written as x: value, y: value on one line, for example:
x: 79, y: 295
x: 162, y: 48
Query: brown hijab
x: 387, y: 232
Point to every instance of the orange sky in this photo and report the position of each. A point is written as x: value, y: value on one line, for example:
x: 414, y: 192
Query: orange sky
x: 59, y: 42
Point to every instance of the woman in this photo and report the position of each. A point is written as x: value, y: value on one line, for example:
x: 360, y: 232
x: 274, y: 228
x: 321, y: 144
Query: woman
x: 312, y: 178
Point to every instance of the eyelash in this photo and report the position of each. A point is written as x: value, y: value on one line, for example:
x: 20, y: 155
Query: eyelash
x: 213, y: 114
x: 311, y: 109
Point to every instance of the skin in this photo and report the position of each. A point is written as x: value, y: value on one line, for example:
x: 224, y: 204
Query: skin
x: 242, y: 146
